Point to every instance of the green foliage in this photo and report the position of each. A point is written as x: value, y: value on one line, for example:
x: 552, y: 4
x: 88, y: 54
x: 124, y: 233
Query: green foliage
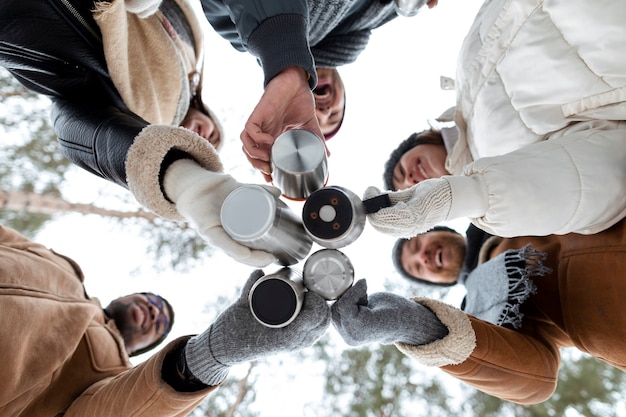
x: 381, y: 381
x: 32, y: 161
x: 233, y: 398
x: 174, y: 246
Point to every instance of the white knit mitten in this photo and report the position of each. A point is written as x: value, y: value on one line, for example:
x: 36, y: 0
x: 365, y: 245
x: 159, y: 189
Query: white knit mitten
x: 414, y: 210
x: 142, y: 8
x: 199, y: 195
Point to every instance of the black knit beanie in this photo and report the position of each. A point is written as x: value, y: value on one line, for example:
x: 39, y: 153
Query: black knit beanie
x: 425, y: 137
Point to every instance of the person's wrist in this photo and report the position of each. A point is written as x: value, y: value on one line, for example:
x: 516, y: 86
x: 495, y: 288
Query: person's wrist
x: 297, y: 74
x: 176, y: 373
x: 469, y: 196
x: 201, y: 361
x: 181, y: 175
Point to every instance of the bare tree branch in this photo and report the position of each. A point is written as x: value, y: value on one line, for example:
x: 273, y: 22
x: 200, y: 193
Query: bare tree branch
x: 46, y: 204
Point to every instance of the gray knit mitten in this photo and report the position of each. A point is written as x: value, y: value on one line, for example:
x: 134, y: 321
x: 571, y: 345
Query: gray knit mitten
x: 236, y: 336
x: 414, y: 210
x: 384, y: 318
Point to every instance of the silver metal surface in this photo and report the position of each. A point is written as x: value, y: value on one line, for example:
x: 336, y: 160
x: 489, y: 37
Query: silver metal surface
x: 299, y: 163
x: 276, y: 299
x: 252, y: 216
x: 408, y: 8
x: 329, y: 273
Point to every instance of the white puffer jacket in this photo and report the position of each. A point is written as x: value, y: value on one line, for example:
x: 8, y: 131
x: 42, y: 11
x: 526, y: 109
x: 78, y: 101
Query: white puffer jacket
x: 541, y: 90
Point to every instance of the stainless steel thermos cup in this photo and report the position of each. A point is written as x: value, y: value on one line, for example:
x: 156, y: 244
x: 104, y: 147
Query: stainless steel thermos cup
x: 276, y: 299
x: 408, y: 8
x: 254, y: 217
x: 299, y: 163
x: 334, y: 216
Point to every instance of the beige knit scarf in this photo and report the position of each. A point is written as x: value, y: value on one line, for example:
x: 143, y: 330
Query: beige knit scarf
x: 149, y: 65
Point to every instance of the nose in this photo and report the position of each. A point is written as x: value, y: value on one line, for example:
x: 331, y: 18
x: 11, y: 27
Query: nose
x: 410, y: 179
x: 324, y: 109
x: 154, y: 312
x: 424, y: 256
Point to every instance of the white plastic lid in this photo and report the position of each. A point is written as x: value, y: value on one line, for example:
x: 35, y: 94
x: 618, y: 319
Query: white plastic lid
x: 248, y: 212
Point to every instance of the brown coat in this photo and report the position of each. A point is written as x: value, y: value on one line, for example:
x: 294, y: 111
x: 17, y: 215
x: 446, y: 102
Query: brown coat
x: 60, y: 354
x: 580, y: 304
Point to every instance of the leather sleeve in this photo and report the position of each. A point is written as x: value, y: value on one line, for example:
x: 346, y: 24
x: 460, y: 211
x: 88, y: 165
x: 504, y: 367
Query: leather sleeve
x: 96, y: 138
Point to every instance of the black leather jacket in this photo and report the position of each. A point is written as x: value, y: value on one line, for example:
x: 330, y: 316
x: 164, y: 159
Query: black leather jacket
x: 54, y: 47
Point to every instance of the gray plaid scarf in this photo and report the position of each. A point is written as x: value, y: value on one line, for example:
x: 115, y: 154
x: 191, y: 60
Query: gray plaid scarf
x: 497, y: 288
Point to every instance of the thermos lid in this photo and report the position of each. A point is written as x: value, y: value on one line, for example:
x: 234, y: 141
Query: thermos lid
x: 333, y: 216
x: 329, y: 273
x: 248, y: 212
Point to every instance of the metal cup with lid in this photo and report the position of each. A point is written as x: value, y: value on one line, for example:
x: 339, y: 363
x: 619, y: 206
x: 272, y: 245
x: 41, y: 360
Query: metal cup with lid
x: 299, y: 163
x: 329, y: 273
x: 408, y: 8
x: 276, y: 299
x: 334, y: 216
x: 254, y: 217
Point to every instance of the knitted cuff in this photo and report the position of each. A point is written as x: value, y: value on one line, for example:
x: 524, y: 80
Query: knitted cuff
x: 145, y: 156
x: 201, y: 361
x: 286, y: 51
x: 450, y: 350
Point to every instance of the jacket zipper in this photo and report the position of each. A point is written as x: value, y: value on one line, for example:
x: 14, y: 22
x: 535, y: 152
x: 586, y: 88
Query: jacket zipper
x: 80, y: 19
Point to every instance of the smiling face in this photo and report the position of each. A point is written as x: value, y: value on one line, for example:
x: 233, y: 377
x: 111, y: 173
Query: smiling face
x: 435, y: 256
x: 141, y: 318
x: 202, y: 124
x: 418, y: 164
x: 329, y: 95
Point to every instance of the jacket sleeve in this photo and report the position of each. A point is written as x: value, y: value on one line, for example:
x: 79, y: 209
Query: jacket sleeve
x: 494, y: 359
x: 96, y: 138
x: 139, y: 391
x: 276, y: 32
x: 573, y: 182
x: 117, y: 145
x: 509, y: 365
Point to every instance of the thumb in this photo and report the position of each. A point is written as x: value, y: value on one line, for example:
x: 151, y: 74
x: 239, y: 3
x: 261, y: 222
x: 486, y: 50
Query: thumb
x: 351, y: 299
x: 371, y: 192
x: 256, y: 275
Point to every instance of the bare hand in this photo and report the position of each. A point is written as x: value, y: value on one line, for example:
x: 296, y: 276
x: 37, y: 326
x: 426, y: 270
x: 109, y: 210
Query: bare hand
x: 286, y: 104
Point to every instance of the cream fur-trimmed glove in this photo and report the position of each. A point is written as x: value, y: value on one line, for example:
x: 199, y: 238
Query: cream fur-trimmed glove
x: 142, y: 8
x: 198, y: 195
x: 414, y: 210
